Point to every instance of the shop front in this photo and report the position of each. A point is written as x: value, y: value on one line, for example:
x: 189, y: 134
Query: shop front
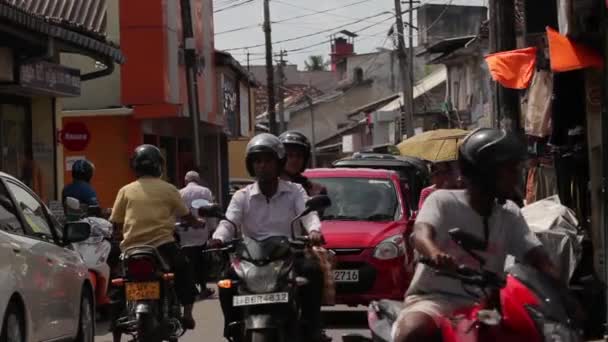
x: 32, y: 83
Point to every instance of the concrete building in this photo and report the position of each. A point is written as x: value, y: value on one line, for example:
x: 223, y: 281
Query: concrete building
x: 146, y: 101
x: 34, y: 82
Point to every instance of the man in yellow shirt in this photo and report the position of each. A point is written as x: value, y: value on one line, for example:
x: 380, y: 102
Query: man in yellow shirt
x: 145, y: 212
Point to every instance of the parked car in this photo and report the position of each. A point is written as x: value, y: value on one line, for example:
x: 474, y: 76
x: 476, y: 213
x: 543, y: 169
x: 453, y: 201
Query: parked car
x: 364, y: 227
x: 413, y: 172
x: 45, y: 291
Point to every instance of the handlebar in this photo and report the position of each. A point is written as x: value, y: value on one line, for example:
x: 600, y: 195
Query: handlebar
x: 468, y: 275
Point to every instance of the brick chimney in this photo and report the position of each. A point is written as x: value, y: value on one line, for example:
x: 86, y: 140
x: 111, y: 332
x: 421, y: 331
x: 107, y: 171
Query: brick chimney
x: 342, y: 46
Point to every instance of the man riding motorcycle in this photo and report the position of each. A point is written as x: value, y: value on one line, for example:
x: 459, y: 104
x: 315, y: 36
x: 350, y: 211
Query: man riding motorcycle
x: 80, y: 188
x: 297, y: 151
x: 490, y: 161
x: 264, y: 209
x: 144, y: 214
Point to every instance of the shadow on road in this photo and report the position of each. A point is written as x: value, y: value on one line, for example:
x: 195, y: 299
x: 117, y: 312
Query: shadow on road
x: 339, y: 319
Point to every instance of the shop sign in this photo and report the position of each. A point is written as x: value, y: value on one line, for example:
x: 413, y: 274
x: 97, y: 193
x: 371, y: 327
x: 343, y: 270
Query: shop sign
x: 50, y: 78
x: 75, y: 136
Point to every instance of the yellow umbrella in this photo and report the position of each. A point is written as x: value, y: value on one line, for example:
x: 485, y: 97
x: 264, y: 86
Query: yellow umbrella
x: 435, y: 146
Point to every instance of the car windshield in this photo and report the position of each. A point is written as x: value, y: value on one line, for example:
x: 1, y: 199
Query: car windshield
x: 361, y: 199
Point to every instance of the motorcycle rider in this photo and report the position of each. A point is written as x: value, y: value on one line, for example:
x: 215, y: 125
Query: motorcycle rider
x: 264, y: 209
x: 298, y: 152
x: 144, y: 214
x: 80, y: 188
x: 490, y: 160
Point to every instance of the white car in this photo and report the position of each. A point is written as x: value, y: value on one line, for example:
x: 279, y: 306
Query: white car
x: 45, y: 291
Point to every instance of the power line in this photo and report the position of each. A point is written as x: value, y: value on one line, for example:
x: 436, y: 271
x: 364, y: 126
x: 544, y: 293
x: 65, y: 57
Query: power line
x: 313, y: 34
x: 293, y: 18
x: 233, y: 6
x: 320, y: 12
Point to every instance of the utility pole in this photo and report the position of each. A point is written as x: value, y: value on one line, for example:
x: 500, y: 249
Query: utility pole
x: 313, y: 139
x: 411, y: 56
x: 191, y: 72
x: 272, y: 120
x: 502, y: 38
x: 281, y: 91
x: 406, y: 81
x: 251, y: 105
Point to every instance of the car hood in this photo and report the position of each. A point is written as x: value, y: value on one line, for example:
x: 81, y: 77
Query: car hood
x: 358, y: 234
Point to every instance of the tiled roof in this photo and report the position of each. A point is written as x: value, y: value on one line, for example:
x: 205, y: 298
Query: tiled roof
x: 45, y: 17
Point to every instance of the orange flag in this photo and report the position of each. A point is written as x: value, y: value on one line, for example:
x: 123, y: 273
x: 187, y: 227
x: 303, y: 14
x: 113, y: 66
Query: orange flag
x: 567, y: 55
x: 513, y: 69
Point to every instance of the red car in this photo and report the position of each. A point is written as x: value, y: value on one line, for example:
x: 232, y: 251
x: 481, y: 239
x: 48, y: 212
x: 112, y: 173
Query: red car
x: 364, y: 227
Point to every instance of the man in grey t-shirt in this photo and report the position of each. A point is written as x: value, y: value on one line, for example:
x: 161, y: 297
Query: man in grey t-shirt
x: 489, y: 161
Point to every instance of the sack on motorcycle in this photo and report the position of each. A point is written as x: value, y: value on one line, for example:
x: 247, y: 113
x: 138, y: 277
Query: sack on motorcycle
x: 327, y: 262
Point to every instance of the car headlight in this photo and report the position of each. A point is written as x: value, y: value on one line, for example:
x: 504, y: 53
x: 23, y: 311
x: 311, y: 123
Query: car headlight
x: 260, y: 279
x: 390, y: 248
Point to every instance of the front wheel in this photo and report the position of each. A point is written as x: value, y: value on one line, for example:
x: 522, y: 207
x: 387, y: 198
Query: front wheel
x: 12, y: 328
x: 86, y: 322
x: 266, y: 335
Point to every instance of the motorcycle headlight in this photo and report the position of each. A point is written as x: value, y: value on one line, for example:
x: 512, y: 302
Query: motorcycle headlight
x: 261, y: 279
x: 551, y: 330
x: 390, y: 248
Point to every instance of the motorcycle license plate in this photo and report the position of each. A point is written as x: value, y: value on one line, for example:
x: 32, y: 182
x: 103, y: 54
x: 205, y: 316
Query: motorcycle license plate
x: 259, y: 299
x: 346, y: 276
x: 143, y: 291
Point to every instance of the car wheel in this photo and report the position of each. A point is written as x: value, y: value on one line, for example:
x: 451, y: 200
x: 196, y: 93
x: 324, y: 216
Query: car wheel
x: 13, y: 327
x: 86, y: 322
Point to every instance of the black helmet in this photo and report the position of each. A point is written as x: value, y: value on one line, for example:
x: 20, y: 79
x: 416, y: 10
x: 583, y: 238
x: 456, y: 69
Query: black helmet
x: 147, y: 160
x: 484, y: 150
x: 83, y: 170
x: 264, y: 143
x: 298, y: 139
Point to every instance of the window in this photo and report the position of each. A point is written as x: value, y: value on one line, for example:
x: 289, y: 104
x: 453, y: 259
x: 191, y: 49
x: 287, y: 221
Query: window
x: 33, y: 212
x: 361, y: 199
x: 9, y: 221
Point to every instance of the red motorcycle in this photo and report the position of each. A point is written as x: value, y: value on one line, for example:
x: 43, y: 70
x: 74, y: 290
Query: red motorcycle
x: 524, y: 305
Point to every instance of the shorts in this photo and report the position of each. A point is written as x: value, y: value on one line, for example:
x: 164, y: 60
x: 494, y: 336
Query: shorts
x: 435, y: 306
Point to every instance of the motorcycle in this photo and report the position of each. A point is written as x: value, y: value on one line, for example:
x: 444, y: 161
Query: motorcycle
x: 96, y: 249
x: 267, y: 286
x: 524, y: 305
x: 152, y: 311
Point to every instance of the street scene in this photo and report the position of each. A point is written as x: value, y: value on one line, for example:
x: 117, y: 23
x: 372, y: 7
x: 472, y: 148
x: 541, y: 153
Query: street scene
x: 303, y: 171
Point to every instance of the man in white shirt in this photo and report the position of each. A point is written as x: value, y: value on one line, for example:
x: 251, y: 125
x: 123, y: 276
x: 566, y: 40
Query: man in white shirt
x: 489, y: 161
x: 191, y: 240
x: 265, y: 209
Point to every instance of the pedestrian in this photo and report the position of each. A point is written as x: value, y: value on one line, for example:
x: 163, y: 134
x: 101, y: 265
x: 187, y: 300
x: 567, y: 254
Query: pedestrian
x: 444, y: 175
x: 194, y: 240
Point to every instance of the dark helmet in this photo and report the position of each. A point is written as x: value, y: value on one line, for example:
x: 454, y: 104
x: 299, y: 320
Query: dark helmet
x: 83, y: 170
x: 295, y: 138
x: 264, y: 143
x: 484, y: 150
x: 147, y: 160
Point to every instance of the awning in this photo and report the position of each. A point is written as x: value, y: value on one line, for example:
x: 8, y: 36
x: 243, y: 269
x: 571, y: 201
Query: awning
x: 425, y: 85
x: 69, y: 32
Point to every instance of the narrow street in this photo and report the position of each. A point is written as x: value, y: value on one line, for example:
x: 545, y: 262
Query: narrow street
x: 341, y: 320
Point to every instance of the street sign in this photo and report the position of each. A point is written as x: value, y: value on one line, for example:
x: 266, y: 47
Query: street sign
x: 75, y: 136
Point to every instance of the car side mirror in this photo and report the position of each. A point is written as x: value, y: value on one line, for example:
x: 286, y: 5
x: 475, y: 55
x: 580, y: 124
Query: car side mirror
x: 467, y: 241
x: 208, y: 209
x: 74, y: 232
x: 317, y: 203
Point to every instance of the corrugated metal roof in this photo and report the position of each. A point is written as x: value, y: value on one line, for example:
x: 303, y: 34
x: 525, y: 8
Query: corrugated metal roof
x: 86, y: 14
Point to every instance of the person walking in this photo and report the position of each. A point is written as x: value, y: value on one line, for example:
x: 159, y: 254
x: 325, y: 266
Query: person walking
x: 194, y: 240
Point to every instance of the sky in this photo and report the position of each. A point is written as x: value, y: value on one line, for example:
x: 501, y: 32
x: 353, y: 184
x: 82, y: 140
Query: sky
x: 370, y: 19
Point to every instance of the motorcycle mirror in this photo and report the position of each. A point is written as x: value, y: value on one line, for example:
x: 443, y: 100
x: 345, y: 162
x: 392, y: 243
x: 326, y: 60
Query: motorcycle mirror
x: 207, y: 209
x: 467, y: 241
x: 317, y: 203
x: 72, y: 203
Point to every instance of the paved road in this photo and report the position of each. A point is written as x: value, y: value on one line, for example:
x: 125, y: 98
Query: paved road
x: 210, y: 322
